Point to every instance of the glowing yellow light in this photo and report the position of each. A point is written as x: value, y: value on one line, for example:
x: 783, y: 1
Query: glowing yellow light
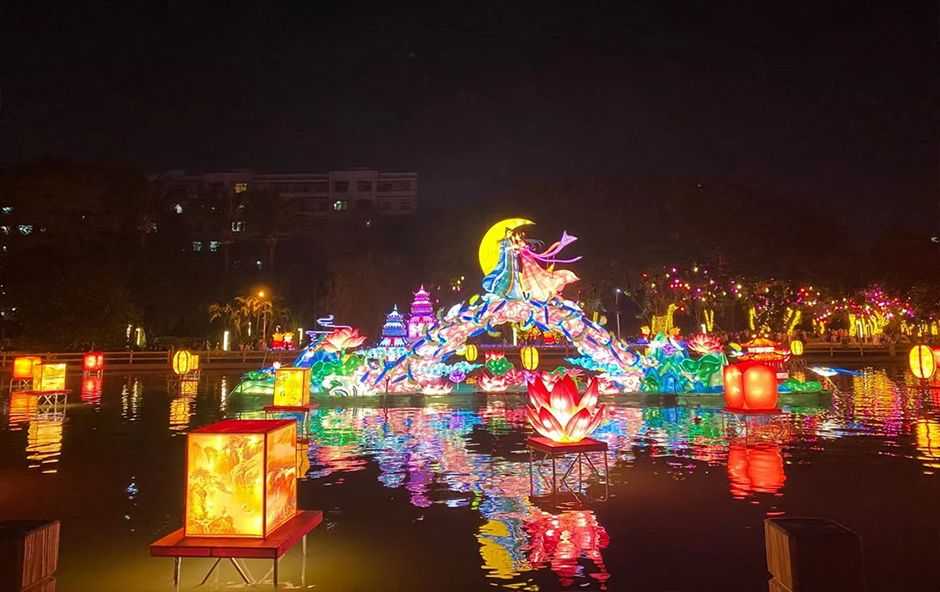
x: 796, y: 347
x: 922, y: 362
x: 530, y: 357
x: 489, y: 245
x: 291, y: 387
x: 241, y: 478
x: 23, y: 366
x: 470, y: 352
x: 183, y: 362
x: 49, y: 377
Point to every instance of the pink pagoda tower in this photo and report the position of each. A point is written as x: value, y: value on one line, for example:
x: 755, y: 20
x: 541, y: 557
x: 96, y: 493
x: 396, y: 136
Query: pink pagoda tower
x: 422, y: 315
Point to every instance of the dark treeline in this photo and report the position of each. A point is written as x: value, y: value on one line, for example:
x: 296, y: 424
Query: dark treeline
x: 90, y: 248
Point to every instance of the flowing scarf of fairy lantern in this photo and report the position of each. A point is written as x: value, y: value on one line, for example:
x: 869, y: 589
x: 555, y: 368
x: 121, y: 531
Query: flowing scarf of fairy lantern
x: 563, y: 414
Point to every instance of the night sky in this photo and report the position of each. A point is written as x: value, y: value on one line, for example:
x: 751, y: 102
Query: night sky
x: 830, y: 103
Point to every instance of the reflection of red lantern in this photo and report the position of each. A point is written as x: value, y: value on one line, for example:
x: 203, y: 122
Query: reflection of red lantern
x: 758, y: 469
x: 750, y: 386
x: 564, y: 541
x: 91, y: 389
x: 93, y: 362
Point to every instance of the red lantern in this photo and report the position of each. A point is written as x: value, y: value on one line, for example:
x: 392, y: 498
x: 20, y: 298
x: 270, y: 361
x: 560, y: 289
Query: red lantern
x: 93, y: 362
x: 750, y: 387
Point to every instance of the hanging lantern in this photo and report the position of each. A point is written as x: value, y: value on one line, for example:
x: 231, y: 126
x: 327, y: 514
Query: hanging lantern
x: 530, y: 357
x: 241, y: 478
x: 796, y: 347
x: 470, y: 352
x: 23, y: 367
x: 922, y: 362
x: 750, y: 386
x: 93, y: 362
x: 182, y: 362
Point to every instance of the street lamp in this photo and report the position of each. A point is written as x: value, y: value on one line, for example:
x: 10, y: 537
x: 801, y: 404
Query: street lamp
x: 264, y: 322
x: 617, y: 293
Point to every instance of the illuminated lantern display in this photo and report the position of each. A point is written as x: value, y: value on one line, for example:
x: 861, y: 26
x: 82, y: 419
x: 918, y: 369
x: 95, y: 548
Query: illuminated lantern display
x: 530, y: 357
x: 193, y: 362
x: 93, y: 362
x: 564, y: 415
x: 23, y: 367
x: 796, y: 347
x: 394, y: 331
x: 750, y: 386
x: 422, y: 315
x: 291, y: 387
x: 922, y: 362
x: 470, y: 352
x: 241, y: 478
x: 49, y: 377
x: 277, y: 341
x: 182, y: 362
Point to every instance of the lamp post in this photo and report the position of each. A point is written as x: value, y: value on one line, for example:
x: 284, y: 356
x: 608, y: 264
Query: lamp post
x: 617, y: 306
x: 264, y: 322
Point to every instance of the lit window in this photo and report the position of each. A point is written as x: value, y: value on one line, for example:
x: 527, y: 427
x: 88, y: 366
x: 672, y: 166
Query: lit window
x: 340, y: 205
x: 238, y: 226
x: 241, y: 187
x: 178, y: 208
x: 258, y: 264
x: 214, y: 246
x: 7, y: 209
x: 25, y: 229
x: 197, y: 246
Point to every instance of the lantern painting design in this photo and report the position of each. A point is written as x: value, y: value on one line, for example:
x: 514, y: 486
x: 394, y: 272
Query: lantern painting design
x: 796, y: 347
x: 49, y: 377
x: 241, y: 478
x: 23, y: 367
x: 564, y: 415
x: 750, y: 386
x: 530, y: 357
x: 291, y: 387
x: 183, y: 362
x: 93, y: 362
x: 470, y: 352
x: 922, y: 362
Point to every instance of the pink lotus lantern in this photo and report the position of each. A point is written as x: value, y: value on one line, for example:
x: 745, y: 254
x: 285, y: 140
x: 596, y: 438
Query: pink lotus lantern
x: 564, y: 415
x: 342, y: 339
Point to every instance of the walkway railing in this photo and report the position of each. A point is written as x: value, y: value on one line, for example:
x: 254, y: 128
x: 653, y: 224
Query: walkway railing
x: 160, y: 359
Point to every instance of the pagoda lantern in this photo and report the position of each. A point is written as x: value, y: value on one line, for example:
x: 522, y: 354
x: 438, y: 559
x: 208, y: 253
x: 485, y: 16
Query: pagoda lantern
x: 422, y: 314
x: 394, y: 331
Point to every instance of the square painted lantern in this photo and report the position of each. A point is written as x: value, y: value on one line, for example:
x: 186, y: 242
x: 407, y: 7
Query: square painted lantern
x: 23, y: 367
x: 750, y: 386
x: 291, y: 387
x: 93, y: 362
x: 49, y: 377
x: 241, y: 478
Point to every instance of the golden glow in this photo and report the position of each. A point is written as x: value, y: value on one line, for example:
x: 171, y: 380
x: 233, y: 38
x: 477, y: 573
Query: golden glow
x: 530, y: 357
x: 23, y: 366
x: 489, y: 245
x: 241, y: 484
x: 922, y: 362
x: 470, y: 352
x: 182, y: 362
x: 796, y: 347
x: 291, y: 387
x: 49, y: 377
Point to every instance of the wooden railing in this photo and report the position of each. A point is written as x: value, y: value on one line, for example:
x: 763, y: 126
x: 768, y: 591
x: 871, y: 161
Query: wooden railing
x: 160, y: 359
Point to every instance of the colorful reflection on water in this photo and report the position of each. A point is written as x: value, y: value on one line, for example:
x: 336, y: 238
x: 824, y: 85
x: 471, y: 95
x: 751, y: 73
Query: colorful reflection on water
x: 466, y: 456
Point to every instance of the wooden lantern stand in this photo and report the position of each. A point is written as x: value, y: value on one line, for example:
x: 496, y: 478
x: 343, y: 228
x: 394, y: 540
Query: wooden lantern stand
x: 273, y: 547
x: 542, y: 451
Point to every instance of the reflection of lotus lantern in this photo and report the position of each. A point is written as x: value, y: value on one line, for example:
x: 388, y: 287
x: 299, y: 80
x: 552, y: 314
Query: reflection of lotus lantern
x: 755, y: 469
x: 564, y: 415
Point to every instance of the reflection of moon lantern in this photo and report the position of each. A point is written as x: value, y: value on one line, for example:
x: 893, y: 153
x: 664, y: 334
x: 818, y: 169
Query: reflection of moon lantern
x: 922, y: 362
x: 470, y: 352
x: 489, y: 245
x: 182, y: 362
x: 530, y: 357
x: 796, y: 347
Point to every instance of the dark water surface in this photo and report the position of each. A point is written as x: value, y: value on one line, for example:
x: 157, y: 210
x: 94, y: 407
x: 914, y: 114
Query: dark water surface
x: 432, y: 493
